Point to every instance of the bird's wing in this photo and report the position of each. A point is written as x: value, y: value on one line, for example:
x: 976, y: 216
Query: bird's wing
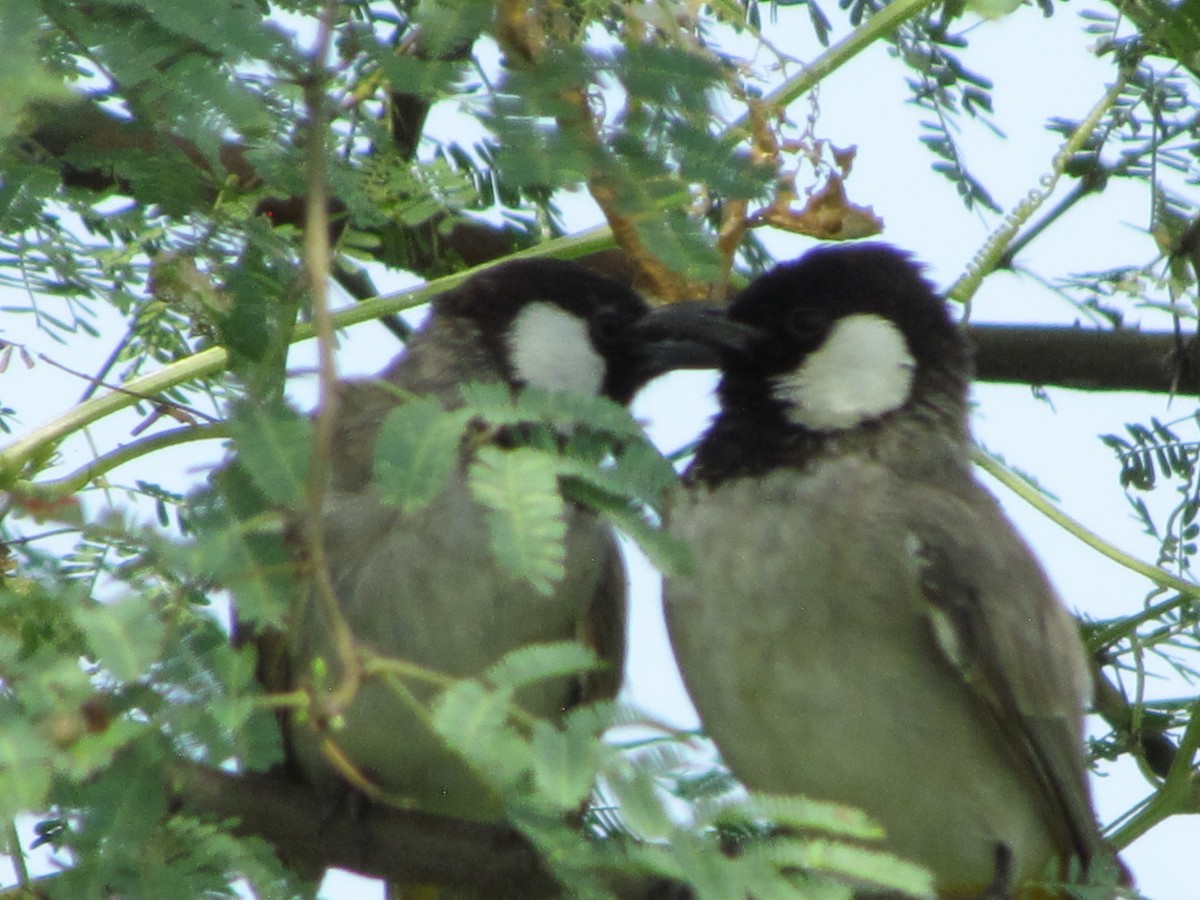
x: 998, y: 622
x: 601, y: 625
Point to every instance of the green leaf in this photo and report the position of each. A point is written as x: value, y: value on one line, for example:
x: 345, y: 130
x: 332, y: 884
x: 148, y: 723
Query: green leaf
x: 274, y: 446
x: 25, y: 768
x: 711, y: 874
x: 448, y: 24
x: 812, y: 815
x: 395, y: 191
x: 23, y: 75
x: 544, y: 92
x: 416, y: 451
x: 670, y: 555
x: 125, y: 637
x: 640, y: 476
x: 536, y: 662
x: 95, y: 752
x: 525, y: 512
x: 672, y: 77
x: 245, y: 312
x: 474, y: 721
x: 657, y: 203
x: 645, y: 471
x: 242, y: 549
x: 495, y: 404
x: 851, y: 861
x: 492, y: 402
x: 216, y: 712
x: 719, y: 163
x: 564, y: 764
x: 605, y: 493
x: 118, y: 841
x: 226, y: 27
x: 642, y: 810
x: 1181, y: 30
x: 256, y: 313
x: 531, y: 154
x: 428, y: 78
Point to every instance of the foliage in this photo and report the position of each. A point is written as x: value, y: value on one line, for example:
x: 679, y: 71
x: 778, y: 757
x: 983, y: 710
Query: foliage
x: 154, y: 164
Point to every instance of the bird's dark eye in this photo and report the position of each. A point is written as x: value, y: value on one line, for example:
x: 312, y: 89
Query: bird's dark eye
x: 806, y: 325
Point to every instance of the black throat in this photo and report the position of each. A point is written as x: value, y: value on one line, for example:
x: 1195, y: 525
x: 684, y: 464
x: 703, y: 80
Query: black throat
x: 753, y: 435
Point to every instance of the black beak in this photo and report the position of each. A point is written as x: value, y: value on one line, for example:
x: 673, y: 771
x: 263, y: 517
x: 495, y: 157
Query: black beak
x: 692, y: 335
x: 684, y: 335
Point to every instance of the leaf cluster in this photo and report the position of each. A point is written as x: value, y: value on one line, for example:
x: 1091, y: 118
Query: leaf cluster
x: 945, y: 89
x: 98, y: 697
x: 1153, y: 458
x: 527, y: 456
x: 787, y: 846
x: 1158, y: 469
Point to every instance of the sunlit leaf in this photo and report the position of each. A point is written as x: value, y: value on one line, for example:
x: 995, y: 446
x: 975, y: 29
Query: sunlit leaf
x: 525, y: 513
x: 536, y: 662
x: 274, y: 446
x: 125, y: 636
x: 416, y: 451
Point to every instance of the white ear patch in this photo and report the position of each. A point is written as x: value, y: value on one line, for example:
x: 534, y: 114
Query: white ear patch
x: 550, y: 349
x: 861, y: 371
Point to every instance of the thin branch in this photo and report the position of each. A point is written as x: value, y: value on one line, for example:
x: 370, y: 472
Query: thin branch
x: 56, y: 489
x: 1154, y: 748
x: 1022, y: 488
x: 994, y: 248
x: 94, y: 382
x: 16, y: 853
x: 396, y: 845
x: 316, y: 260
x: 1077, y: 358
x: 1178, y: 795
x: 880, y: 25
x: 1093, y: 181
x: 1127, y: 626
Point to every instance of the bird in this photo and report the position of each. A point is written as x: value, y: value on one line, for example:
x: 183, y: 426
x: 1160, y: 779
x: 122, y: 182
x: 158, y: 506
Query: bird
x: 423, y: 585
x: 862, y: 623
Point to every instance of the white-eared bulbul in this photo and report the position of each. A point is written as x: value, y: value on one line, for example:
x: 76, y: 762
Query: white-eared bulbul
x: 863, y: 625
x: 424, y: 586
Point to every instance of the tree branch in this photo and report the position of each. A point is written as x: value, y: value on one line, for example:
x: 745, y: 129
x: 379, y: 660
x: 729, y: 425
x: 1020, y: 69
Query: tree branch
x: 405, y: 846
x: 81, y: 129
x: 1151, y: 745
x: 1086, y: 359
x: 395, y: 845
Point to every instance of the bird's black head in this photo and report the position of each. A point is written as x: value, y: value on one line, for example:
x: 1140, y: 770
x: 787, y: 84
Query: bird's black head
x: 821, y: 354
x: 556, y: 325
x: 841, y: 337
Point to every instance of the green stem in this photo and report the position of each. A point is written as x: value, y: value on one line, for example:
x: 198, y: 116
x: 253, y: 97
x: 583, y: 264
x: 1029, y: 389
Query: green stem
x: 880, y: 25
x: 998, y: 243
x: 1127, y: 626
x: 1038, y: 501
x: 397, y: 671
x: 1179, y: 793
x: 38, y: 444
x: 46, y: 491
x: 17, y: 855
